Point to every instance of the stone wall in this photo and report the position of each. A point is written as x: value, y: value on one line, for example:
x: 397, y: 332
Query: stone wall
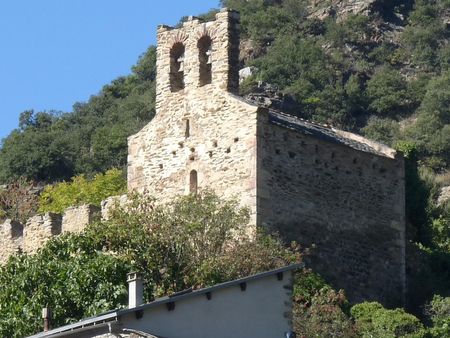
x: 348, y: 204
x: 202, y: 133
x: 39, y: 229
x: 75, y: 219
x: 11, y: 236
x: 28, y: 238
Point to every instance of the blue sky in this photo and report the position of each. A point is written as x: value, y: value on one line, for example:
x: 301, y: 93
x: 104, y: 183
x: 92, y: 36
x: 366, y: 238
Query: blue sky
x: 54, y: 53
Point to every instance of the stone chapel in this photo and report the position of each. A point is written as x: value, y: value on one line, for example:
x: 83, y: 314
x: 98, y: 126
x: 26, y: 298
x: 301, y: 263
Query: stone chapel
x: 334, y: 191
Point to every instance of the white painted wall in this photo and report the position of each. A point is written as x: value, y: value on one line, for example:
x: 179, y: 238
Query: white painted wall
x: 264, y: 309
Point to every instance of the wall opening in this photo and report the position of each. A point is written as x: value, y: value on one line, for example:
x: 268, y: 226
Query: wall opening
x: 177, y: 67
x: 193, y: 182
x: 187, y: 129
x: 205, y: 63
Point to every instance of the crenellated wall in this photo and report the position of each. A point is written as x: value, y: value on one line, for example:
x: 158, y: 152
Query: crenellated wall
x: 39, y: 229
x: 11, y: 238
x: 31, y: 236
x: 75, y: 219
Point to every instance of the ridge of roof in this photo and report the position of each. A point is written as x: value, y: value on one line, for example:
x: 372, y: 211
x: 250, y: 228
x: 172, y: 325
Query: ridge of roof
x: 330, y: 134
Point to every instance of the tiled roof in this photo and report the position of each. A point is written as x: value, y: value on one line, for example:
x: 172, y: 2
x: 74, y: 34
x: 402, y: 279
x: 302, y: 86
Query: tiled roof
x: 329, y: 134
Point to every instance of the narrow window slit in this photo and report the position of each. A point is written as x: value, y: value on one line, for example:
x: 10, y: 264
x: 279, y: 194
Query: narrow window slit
x: 193, y: 182
x: 187, y: 129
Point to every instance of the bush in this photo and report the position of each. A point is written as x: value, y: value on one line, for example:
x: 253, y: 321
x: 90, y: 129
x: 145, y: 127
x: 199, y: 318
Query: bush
x: 19, y: 200
x: 383, y: 130
x: 439, y: 312
x: 56, y: 198
x: 323, y: 316
x: 193, y: 241
x: 374, y: 321
x: 388, y: 93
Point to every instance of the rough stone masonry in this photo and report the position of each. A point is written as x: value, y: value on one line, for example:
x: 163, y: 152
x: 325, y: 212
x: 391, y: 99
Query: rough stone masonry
x: 334, y: 191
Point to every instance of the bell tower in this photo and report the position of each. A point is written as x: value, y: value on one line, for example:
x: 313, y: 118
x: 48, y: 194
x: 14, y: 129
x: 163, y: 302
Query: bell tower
x: 197, y: 56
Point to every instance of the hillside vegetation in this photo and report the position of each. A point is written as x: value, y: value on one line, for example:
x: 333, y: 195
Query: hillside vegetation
x: 54, y: 146
x: 385, y: 75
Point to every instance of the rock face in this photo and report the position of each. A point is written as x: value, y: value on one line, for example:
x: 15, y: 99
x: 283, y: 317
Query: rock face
x: 311, y: 183
x: 444, y: 195
x: 321, y: 9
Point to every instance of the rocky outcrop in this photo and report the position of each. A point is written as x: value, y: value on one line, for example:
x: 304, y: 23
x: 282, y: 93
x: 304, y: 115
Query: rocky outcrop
x: 444, y: 196
x: 322, y: 9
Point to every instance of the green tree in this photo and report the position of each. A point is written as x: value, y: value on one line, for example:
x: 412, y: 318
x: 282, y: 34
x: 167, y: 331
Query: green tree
x: 431, y: 131
x: 374, y: 321
x: 19, y: 200
x: 56, y: 198
x: 439, y: 312
x: 388, y: 94
x: 71, y: 275
x: 194, y: 241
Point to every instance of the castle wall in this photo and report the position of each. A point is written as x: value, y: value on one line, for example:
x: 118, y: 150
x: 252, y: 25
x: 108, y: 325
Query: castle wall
x: 11, y: 235
x: 348, y: 204
x: 75, y: 219
x: 205, y: 129
x: 39, y: 229
x: 29, y: 238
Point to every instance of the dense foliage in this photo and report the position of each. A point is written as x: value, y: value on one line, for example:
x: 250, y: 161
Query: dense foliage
x: 81, y: 275
x: 341, y: 72
x: 373, y: 320
x: 194, y: 241
x: 71, y: 275
x: 58, y: 197
x: 19, y: 199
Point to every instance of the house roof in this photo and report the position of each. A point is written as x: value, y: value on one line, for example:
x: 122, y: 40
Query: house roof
x: 109, y: 318
x: 330, y: 134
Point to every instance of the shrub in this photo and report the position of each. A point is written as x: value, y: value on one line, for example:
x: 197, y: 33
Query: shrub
x: 383, y: 130
x: 439, y: 312
x: 323, y: 316
x: 19, y: 200
x: 388, y: 93
x: 58, y: 197
x: 193, y: 241
x: 374, y: 321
